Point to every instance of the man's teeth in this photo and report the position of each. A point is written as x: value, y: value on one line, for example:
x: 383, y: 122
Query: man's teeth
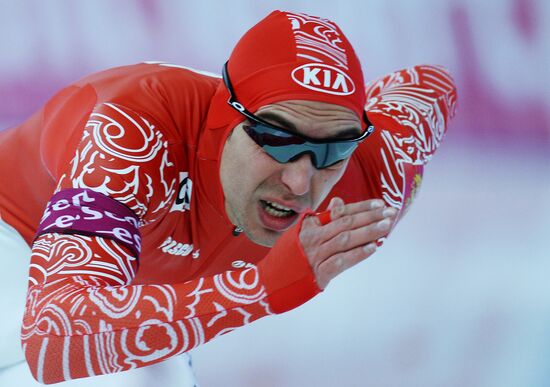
x: 277, y: 210
x: 278, y: 206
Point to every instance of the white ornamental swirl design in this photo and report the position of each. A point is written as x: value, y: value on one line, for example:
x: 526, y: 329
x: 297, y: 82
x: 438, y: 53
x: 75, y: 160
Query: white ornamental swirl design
x: 117, y: 301
x: 240, y: 286
x: 318, y: 37
x: 71, y: 252
x: 153, y: 340
x: 111, y: 136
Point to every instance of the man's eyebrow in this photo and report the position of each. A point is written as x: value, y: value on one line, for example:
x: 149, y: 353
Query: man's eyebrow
x: 346, y: 134
x: 279, y: 121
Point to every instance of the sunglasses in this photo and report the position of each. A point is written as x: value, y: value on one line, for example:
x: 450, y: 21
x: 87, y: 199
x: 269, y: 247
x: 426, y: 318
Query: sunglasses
x: 285, y: 146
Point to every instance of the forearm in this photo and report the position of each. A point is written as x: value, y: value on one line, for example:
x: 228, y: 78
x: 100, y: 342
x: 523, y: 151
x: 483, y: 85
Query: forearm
x: 414, y: 106
x: 85, y: 323
x: 85, y: 317
x: 410, y: 110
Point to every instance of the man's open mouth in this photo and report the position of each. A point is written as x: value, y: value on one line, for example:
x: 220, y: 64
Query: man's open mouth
x: 275, y: 216
x: 277, y: 210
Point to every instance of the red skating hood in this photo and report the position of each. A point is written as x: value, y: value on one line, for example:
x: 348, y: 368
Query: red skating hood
x: 286, y: 56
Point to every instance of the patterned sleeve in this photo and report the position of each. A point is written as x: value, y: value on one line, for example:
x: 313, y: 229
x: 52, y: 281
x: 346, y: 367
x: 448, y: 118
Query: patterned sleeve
x: 83, y: 317
x: 410, y: 110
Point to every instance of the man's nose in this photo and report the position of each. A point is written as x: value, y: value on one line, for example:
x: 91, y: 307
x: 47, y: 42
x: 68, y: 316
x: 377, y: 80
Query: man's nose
x: 297, y: 175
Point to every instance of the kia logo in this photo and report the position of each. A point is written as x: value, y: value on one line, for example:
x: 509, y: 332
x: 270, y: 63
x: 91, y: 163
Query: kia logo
x: 324, y: 78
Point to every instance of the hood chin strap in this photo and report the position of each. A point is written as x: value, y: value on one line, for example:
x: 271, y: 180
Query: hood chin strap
x: 221, y: 119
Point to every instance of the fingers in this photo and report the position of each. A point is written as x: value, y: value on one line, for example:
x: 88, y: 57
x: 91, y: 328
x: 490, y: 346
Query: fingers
x: 310, y: 221
x: 335, y: 202
x: 357, y: 217
x: 347, y: 239
x: 346, y: 218
x: 376, y: 227
x: 339, y: 263
x: 339, y: 208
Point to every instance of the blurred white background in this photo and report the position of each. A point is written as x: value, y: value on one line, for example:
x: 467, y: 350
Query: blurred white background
x: 459, y: 295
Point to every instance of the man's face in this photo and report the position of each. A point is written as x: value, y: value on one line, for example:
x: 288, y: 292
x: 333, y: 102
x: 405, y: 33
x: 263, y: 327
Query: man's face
x: 265, y: 197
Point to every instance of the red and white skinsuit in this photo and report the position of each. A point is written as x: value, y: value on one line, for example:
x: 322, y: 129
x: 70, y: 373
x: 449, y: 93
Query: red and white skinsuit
x: 144, y: 135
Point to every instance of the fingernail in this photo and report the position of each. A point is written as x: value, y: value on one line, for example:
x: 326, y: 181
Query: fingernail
x: 377, y: 204
x: 389, y: 212
x: 369, y: 248
x: 383, y: 224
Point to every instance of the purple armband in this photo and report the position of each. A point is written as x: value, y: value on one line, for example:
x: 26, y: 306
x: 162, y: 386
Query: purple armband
x: 87, y: 212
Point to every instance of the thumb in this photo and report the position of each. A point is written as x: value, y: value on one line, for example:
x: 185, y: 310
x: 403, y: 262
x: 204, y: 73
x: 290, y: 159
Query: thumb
x: 335, y: 202
x: 336, y: 207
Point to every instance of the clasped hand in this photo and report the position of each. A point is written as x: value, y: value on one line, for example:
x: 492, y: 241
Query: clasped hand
x: 349, y: 238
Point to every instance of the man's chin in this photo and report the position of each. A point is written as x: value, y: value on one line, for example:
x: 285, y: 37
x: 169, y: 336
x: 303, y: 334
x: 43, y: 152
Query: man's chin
x: 266, y: 238
x: 265, y: 230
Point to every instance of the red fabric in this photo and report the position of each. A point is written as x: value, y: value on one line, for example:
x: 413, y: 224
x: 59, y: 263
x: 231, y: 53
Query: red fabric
x: 324, y: 217
x: 267, y: 64
x: 91, y: 308
x: 297, y: 285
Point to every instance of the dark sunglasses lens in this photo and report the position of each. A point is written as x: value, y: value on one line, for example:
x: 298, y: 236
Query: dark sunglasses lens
x: 285, y: 147
x: 266, y: 136
x: 337, y: 152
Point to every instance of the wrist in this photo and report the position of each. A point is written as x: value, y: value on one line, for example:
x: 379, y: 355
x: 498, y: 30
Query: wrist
x: 286, y: 273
